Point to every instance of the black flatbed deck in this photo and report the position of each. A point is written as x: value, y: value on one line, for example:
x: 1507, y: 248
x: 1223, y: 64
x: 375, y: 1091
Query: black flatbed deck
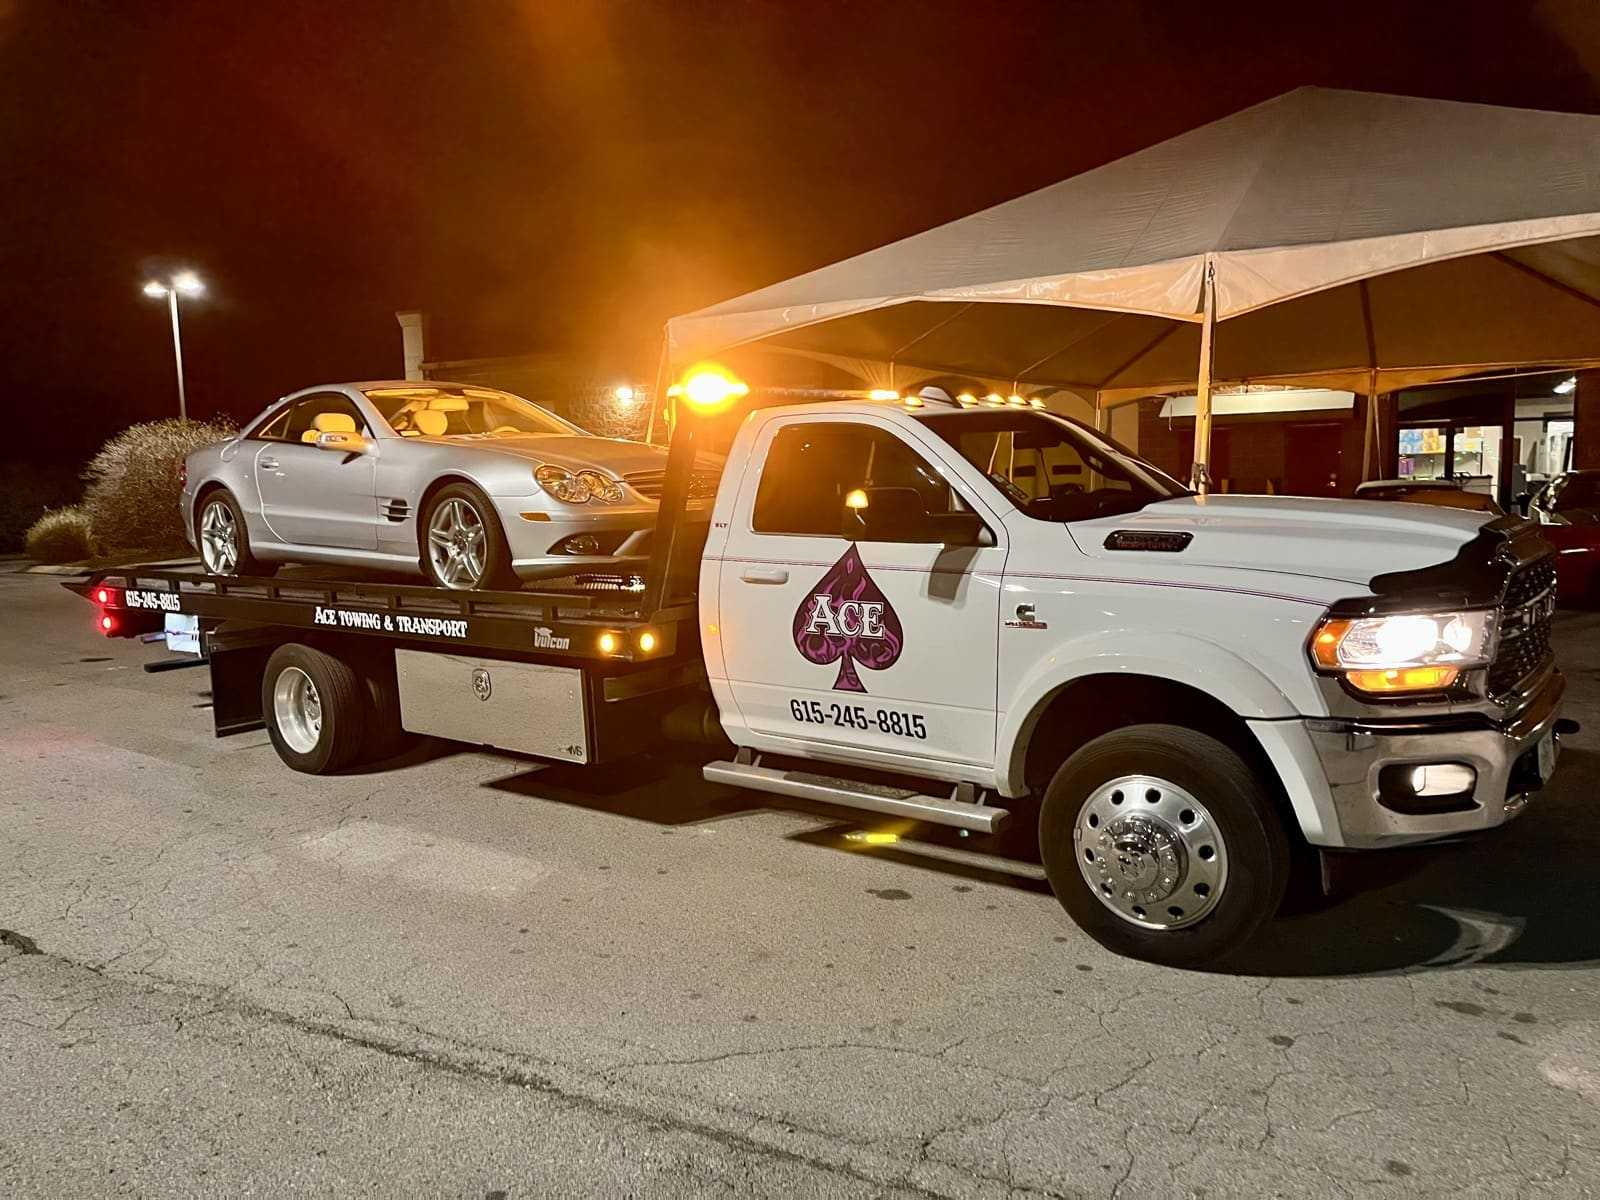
x: 566, y: 620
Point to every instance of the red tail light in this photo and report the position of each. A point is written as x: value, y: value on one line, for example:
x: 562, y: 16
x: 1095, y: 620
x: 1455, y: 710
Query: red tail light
x: 108, y: 624
x: 102, y: 595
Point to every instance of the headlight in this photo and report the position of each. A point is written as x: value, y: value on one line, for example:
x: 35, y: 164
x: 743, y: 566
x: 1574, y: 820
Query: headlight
x: 1407, y: 652
x: 562, y: 484
x: 602, y: 489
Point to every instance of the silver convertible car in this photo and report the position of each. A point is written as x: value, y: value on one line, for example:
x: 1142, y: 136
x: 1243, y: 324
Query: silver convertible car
x: 469, y: 486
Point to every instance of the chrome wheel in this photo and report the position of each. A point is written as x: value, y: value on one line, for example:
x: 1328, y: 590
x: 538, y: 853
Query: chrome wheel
x: 1151, y: 852
x: 458, y: 544
x: 297, y: 710
x: 219, y: 538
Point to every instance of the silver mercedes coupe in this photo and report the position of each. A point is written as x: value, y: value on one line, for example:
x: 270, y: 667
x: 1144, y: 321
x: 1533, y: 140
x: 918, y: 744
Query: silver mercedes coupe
x: 468, y: 486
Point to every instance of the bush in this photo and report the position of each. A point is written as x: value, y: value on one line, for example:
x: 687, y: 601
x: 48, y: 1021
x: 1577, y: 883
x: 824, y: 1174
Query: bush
x: 61, y: 535
x: 27, y: 490
x: 133, y: 490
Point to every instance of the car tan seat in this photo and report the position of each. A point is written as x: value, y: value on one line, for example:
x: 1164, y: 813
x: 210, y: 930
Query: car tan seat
x: 430, y: 422
x: 329, y: 422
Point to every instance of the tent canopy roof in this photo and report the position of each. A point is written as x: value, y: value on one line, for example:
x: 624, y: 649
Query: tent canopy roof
x: 1313, y: 190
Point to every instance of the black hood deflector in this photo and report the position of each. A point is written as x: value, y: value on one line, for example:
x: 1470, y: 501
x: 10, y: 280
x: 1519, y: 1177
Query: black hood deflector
x: 1475, y: 578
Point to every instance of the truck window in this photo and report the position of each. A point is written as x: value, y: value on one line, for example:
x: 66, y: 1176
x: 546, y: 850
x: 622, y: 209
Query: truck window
x: 811, y: 466
x: 1052, y: 468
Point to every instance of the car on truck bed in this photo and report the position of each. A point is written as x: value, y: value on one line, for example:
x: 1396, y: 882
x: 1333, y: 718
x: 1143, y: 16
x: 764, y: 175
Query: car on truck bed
x: 959, y: 612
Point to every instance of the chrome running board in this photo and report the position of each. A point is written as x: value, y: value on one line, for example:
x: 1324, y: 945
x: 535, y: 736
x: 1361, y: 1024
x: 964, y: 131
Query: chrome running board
x: 852, y: 793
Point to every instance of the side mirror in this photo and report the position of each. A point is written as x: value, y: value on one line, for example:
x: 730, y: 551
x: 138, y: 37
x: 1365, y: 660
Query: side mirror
x: 897, y: 514
x: 1523, y: 500
x: 341, y: 443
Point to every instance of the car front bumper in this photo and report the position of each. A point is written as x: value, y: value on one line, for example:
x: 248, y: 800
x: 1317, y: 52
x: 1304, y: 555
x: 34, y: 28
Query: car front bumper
x: 1331, y: 768
x: 533, y: 534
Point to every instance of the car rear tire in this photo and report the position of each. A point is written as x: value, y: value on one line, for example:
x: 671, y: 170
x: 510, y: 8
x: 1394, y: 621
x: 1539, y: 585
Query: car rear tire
x: 463, y: 546
x: 314, y: 706
x: 1163, y: 845
x: 223, y: 539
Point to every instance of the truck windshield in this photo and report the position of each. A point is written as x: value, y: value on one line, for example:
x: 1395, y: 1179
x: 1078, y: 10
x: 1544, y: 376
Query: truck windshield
x: 1051, y: 467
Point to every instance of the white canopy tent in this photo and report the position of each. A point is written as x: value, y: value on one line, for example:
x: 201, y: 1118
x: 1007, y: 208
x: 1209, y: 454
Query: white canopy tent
x: 1325, y: 238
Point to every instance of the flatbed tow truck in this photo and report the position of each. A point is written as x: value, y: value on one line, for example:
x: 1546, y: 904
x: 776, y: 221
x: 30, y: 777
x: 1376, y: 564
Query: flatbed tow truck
x: 949, y: 612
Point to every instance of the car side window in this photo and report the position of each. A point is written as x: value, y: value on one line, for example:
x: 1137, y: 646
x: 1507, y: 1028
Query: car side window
x: 271, y: 429
x: 811, y: 466
x: 302, y: 418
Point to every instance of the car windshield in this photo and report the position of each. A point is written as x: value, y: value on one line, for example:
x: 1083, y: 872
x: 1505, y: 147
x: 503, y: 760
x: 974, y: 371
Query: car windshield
x: 1051, y: 467
x: 1578, y: 492
x: 1445, y: 497
x: 465, y: 412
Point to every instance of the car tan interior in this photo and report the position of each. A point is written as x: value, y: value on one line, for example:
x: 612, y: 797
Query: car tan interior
x: 329, y: 422
x: 430, y: 422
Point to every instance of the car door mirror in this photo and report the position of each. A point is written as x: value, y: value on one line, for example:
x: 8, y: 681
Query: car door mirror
x: 1523, y: 500
x: 341, y: 443
x: 898, y: 514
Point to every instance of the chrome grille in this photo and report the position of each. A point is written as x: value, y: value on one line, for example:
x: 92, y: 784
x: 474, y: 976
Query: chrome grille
x: 702, y: 484
x: 1525, y: 619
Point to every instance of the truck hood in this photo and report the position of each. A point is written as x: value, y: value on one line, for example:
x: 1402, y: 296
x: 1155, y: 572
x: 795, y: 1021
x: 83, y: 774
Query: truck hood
x: 1346, y: 540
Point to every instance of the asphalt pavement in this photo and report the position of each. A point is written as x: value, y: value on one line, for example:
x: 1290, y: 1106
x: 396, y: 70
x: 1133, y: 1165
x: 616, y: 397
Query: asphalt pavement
x: 465, y: 975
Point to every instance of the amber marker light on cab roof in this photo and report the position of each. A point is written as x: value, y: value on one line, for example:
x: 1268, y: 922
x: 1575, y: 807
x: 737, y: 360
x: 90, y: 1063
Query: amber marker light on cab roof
x: 710, y: 388
x: 608, y: 643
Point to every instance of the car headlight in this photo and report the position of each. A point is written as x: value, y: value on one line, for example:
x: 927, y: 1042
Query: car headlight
x: 562, y: 484
x: 602, y: 489
x: 1406, y: 652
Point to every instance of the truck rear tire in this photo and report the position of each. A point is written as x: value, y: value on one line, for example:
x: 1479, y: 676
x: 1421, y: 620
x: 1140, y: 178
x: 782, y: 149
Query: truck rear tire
x: 1163, y: 845
x: 314, y: 708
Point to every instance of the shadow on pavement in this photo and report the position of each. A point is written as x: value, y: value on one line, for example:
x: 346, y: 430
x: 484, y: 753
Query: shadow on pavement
x: 1516, y: 897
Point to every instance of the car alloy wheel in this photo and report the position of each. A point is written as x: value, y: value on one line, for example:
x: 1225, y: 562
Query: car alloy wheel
x: 219, y: 538
x: 1151, y: 852
x: 458, y: 544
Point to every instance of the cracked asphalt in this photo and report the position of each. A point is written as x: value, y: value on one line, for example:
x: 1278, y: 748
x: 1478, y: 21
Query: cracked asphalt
x: 463, y: 975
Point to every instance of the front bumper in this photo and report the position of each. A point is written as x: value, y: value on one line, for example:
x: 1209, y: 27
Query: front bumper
x: 534, y: 530
x: 1331, y: 769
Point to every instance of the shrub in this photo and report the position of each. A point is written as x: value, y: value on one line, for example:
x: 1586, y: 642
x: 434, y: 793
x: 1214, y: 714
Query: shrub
x: 133, y: 490
x: 61, y: 535
x: 28, y: 489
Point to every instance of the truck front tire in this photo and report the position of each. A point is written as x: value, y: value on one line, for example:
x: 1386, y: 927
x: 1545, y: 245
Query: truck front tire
x: 1163, y: 845
x: 314, y: 708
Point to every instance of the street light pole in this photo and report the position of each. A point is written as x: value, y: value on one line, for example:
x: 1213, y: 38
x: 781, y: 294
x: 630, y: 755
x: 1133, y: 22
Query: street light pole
x: 189, y: 284
x: 177, y: 354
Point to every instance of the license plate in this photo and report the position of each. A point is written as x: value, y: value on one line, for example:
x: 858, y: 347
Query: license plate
x: 1547, y: 757
x: 183, y: 633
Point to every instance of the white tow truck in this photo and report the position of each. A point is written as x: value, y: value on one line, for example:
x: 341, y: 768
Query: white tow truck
x: 955, y: 613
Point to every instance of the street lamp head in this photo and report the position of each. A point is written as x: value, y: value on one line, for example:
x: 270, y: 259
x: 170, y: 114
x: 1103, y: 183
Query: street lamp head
x: 154, y: 289
x: 188, y: 283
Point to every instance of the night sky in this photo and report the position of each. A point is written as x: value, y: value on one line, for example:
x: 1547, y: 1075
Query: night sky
x: 565, y: 176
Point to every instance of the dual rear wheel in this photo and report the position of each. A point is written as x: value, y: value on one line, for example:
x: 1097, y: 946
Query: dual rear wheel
x: 324, y: 713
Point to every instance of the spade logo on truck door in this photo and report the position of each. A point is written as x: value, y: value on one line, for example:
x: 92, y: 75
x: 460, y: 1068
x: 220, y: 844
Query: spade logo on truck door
x: 846, y: 619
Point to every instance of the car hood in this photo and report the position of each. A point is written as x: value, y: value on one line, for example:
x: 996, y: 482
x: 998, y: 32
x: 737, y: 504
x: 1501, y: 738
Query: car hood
x: 1346, y: 540
x: 572, y: 451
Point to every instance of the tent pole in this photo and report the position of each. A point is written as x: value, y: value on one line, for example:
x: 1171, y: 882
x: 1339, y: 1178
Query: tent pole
x: 1369, y: 434
x: 1200, y: 475
x: 1102, y: 415
x: 658, y: 394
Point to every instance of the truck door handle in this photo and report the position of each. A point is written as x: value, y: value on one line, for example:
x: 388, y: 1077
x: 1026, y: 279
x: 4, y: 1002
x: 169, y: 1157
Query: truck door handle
x: 764, y: 575
x: 268, y: 464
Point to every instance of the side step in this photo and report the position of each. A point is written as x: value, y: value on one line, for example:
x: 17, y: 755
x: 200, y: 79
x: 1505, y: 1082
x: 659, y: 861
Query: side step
x: 852, y: 793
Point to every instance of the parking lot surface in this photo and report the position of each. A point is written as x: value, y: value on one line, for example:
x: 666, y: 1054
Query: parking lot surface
x: 463, y: 974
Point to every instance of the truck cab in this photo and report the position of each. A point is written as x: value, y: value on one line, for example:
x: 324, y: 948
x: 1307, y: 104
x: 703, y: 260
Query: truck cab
x: 1005, y: 601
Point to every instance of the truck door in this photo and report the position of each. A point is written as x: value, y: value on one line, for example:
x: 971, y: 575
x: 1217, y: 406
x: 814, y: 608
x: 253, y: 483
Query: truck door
x: 888, y: 647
